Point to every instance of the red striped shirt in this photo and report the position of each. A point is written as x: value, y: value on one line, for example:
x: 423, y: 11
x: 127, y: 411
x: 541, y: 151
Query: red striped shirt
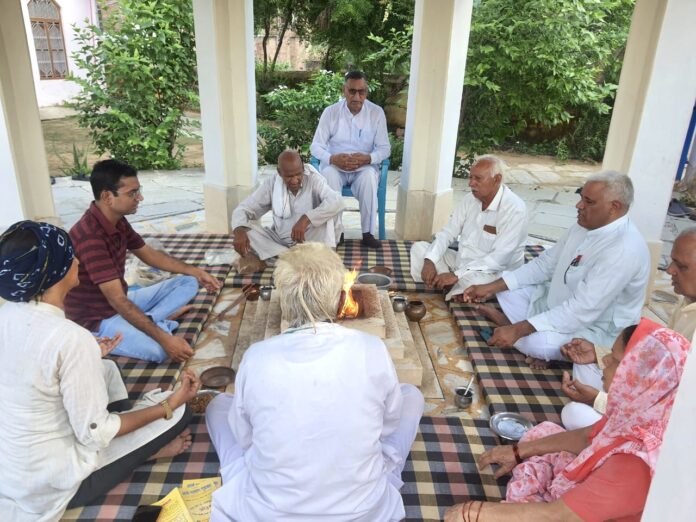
x: 101, y: 249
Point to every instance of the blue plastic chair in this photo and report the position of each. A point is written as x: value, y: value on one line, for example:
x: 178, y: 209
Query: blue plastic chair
x: 381, y: 193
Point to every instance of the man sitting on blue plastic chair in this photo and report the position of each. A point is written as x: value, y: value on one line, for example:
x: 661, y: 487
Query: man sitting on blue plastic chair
x: 351, y: 141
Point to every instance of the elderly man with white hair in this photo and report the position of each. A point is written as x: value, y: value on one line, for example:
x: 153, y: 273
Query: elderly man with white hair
x: 490, y: 225
x: 590, y: 284
x: 319, y: 427
x: 304, y: 208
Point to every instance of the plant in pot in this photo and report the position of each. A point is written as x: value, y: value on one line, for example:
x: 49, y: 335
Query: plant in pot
x: 78, y: 169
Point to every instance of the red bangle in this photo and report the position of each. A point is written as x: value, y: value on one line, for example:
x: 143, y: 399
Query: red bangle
x: 516, y: 451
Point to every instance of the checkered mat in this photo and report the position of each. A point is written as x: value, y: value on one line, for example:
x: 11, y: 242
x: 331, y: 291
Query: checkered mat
x: 440, y: 471
x: 152, y: 481
x: 507, y: 382
x: 394, y: 254
x: 140, y: 376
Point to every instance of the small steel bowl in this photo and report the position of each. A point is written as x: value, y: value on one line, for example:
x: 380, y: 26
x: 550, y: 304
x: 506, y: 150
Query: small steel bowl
x: 217, y: 377
x: 462, y: 397
x: 399, y: 303
x: 380, y: 269
x: 381, y: 281
x: 509, y: 426
x: 265, y: 292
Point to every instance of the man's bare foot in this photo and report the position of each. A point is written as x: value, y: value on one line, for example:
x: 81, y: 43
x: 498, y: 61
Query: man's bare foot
x: 181, y: 443
x: 493, y: 314
x: 250, y: 264
x: 537, y: 364
x: 181, y: 311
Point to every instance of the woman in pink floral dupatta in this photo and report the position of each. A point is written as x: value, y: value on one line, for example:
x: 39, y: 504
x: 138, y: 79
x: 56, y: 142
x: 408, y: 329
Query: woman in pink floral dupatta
x: 601, y: 472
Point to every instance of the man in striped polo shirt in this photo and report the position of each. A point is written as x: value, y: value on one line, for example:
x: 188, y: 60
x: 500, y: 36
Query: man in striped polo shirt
x: 102, y: 303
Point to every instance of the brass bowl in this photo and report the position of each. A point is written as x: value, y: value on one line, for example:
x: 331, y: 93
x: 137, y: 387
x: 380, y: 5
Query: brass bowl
x: 380, y: 269
x: 252, y: 292
x: 416, y: 310
x: 217, y: 377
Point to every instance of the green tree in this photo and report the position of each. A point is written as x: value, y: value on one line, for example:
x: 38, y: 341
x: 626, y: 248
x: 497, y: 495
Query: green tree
x: 140, y: 75
x: 540, y: 63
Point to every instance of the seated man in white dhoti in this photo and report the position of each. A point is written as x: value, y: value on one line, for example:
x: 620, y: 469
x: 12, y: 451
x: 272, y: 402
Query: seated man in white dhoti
x: 351, y: 141
x: 319, y: 427
x: 490, y: 225
x: 585, y: 388
x: 591, y: 284
x: 304, y: 209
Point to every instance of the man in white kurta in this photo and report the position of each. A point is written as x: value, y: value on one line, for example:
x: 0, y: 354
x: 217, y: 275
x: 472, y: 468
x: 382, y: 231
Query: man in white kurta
x: 350, y: 142
x: 587, y: 357
x: 304, y: 208
x: 591, y: 284
x: 319, y: 427
x: 490, y: 225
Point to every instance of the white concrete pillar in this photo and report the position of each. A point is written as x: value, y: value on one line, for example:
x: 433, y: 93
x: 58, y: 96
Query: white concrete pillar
x: 653, y: 107
x: 440, y: 40
x: 225, y: 55
x: 26, y: 185
x: 671, y: 495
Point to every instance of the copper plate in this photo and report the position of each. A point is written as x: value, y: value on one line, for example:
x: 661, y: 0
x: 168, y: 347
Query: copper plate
x: 217, y: 377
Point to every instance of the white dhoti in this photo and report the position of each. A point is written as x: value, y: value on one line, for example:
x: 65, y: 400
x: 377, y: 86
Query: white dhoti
x: 540, y: 345
x: 363, y: 183
x: 115, y: 388
x: 125, y: 444
x: 267, y: 243
x: 448, y: 263
x: 576, y: 415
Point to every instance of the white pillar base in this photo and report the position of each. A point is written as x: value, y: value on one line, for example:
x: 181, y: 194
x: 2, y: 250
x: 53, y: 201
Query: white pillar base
x: 220, y: 202
x: 420, y: 213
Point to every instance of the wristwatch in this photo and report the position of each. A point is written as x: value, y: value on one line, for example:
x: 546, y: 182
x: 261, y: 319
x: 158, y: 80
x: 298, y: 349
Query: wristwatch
x: 168, y: 413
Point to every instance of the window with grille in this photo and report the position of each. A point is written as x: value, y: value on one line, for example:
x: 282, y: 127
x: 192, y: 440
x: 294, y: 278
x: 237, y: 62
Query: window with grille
x: 48, y: 39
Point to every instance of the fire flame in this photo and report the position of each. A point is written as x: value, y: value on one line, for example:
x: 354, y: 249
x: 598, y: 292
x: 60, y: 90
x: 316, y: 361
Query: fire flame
x: 350, y: 307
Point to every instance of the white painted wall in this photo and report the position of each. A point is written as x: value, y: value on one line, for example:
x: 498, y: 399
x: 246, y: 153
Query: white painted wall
x: 10, y: 196
x: 73, y: 12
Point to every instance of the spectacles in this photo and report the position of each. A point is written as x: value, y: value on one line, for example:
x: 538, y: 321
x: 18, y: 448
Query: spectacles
x: 133, y: 194
x: 361, y: 92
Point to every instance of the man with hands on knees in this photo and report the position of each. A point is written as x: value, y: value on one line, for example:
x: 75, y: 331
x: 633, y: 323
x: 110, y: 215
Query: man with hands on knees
x: 490, y: 226
x: 304, y: 208
x: 102, y: 302
x: 574, y: 289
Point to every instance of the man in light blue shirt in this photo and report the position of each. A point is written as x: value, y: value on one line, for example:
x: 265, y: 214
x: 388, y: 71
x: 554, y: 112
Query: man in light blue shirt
x: 350, y: 142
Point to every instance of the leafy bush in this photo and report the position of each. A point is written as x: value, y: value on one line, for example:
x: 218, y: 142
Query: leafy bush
x: 140, y: 75
x: 397, y: 151
x: 270, y: 142
x: 296, y: 112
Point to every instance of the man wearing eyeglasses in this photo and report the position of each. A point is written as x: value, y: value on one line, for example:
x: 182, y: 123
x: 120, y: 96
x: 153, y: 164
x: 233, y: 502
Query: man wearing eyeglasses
x: 590, y: 284
x: 102, y: 303
x: 350, y: 142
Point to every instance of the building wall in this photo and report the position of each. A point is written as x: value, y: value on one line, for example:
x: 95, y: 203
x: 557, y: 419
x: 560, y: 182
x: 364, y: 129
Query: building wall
x: 73, y: 12
x: 294, y: 51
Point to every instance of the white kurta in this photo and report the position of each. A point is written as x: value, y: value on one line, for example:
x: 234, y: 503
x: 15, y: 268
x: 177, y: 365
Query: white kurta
x: 312, y: 410
x: 315, y: 199
x: 483, y: 254
x: 591, y: 284
x: 53, y: 410
x: 55, y: 428
x: 341, y: 131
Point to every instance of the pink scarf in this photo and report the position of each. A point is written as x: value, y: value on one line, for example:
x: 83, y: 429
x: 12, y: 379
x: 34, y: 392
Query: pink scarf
x: 640, y: 401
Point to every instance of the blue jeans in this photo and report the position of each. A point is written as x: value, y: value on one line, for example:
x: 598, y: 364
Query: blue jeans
x: 158, y: 301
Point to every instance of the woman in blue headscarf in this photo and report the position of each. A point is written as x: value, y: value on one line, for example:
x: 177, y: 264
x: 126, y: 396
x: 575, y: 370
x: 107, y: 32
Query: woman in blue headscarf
x: 61, y: 446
